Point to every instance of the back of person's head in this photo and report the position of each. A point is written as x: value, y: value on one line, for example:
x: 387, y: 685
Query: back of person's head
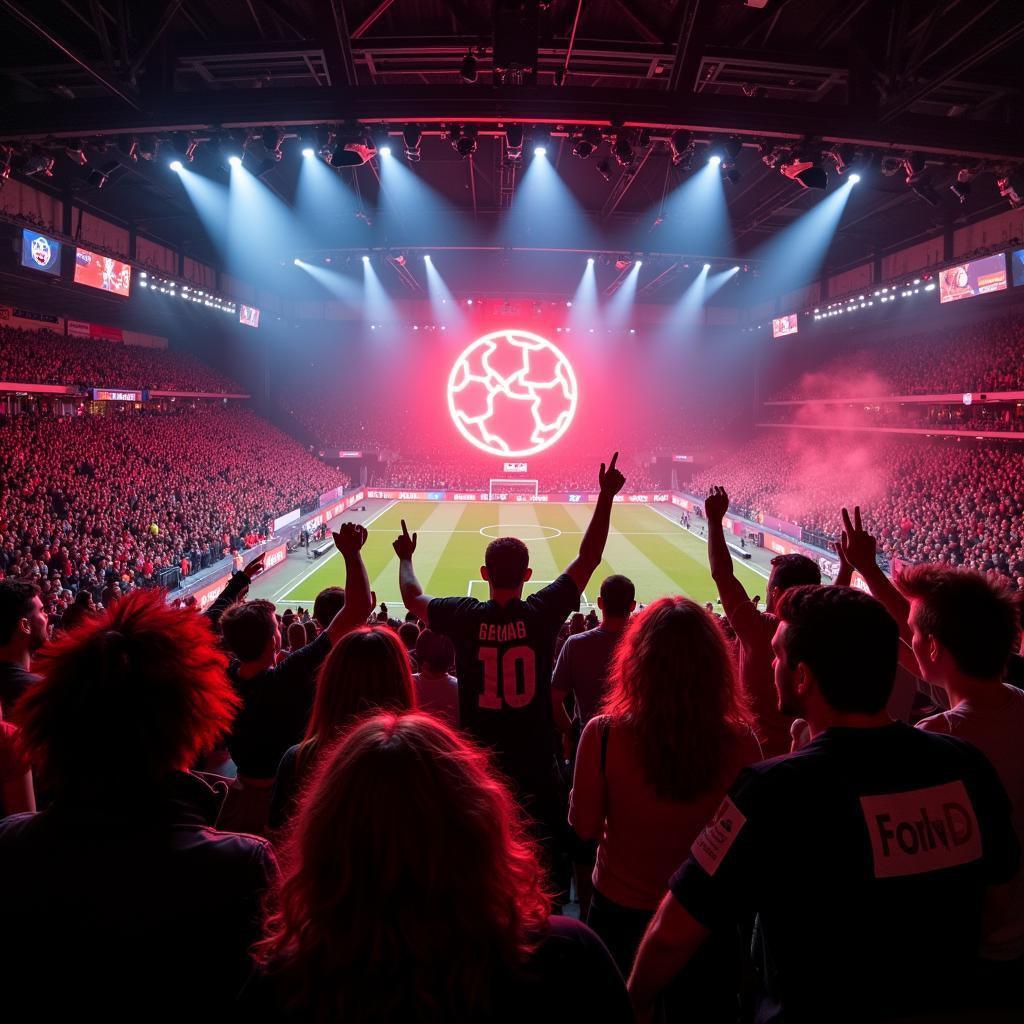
x: 618, y: 596
x: 792, y: 571
x: 672, y: 683
x: 974, y: 616
x: 16, y: 601
x: 577, y: 623
x: 296, y: 636
x: 409, y: 881
x: 367, y: 670
x: 141, y: 684
x: 248, y: 627
x: 408, y: 632
x: 434, y: 651
x: 311, y: 631
x: 507, y: 560
x: 328, y: 603
x: 84, y: 599
x: 846, y: 639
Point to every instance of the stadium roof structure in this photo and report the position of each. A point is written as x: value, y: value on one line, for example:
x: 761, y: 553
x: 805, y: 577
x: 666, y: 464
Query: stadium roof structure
x: 925, y: 94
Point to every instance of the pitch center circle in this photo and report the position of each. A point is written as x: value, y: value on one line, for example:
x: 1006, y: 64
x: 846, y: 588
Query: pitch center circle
x: 516, y: 530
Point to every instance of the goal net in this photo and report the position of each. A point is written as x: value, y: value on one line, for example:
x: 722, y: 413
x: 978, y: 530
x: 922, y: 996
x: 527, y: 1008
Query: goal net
x: 505, y: 490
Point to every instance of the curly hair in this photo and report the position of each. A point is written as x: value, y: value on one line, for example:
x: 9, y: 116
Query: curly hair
x: 410, y: 888
x: 673, y: 683
x: 142, y: 684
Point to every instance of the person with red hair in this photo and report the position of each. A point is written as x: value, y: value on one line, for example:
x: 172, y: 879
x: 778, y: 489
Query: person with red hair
x: 121, y: 890
x: 412, y: 892
x: 652, y: 769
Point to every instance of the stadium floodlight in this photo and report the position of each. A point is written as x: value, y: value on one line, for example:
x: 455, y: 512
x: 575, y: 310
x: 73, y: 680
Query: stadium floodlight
x: 366, y: 259
x: 235, y: 160
x: 426, y: 257
x: 639, y: 264
x: 590, y: 261
x: 308, y: 151
x: 297, y: 261
x: 714, y: 159
x: 707, y: 266
x: 540, y: 150
x: 854, y: 178
x: 176, y: 165
x: 384, y: 151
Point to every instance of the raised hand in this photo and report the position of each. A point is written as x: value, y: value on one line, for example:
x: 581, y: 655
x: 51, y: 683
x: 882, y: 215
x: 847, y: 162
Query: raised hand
x: 350, y: 539
x: 610, y: 480
x: 716, y: 504
x: 255, y: 567
x: 404, y: 545
x: 856, y: 545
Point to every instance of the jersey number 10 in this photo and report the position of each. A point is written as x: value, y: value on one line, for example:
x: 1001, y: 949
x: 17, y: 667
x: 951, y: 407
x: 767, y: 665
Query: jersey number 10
x: 509, y: 681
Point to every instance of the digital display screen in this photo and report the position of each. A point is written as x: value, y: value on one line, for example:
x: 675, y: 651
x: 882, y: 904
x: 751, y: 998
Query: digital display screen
x: 102, y: 272
x: 118, y: 395
x: 1017, y: 263
x: 975, y: 277
x: 249, y: 315
x: 40, y: 252
x: 783, y: 325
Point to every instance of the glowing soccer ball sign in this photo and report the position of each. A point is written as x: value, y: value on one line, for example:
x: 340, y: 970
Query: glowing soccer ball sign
x: 512, y: 393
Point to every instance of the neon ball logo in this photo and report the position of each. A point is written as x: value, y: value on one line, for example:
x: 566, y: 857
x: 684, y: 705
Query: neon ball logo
x: 512, y: 393
x: 41, y: 251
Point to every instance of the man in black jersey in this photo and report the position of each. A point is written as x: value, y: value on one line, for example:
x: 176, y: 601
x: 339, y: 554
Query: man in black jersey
x: 505, y: 646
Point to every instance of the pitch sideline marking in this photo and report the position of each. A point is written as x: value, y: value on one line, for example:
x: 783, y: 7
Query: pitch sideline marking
x: 281, y: 595
x: 752, y: 566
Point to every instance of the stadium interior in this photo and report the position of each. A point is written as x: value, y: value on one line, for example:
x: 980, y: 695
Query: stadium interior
x: 267, y: 267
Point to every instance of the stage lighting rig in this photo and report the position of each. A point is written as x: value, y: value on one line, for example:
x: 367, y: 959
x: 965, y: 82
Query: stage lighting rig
x: 586, y: 142
x: 185, y: 145
x: 540, y: 141
x: 75, y: 149
x: 272, y: 139
x: 353, y: 148
x: 38, y: 162
x: 808, y: 173
x: 514, y: 136
x: 463, y: 138
x: 680, y: 142
x: 468, y: 69
x: 622, y: 148
x: 413, y: 138
x: 961, y: 187
x: 604, y: 168
x: 98, y: 177
x: 916, y: 171
x: 1011, y: 188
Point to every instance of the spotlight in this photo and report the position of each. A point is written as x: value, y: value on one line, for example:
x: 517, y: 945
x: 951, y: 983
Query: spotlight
x: 148, y: 146
x: 681, y: 144
x: 38, y: 162
x: 1011, y: 188
x: 468, y: 69
x: 540, y: 139
x: 185, y: 145
x: 736, y: 270
x: 129, y: 145
x: 426, y: 257
x: 76, y: 150
x: 707, y: 266
x: 514, y: 142
x: 854, y: 178
x: 297, y: 261
x: 604, y: 168
x: 463, y: 140
x: 622, y: 149
x: 714, y: 159
x: 98, y: 177
x: 353, y: 149
x: 272, y: 142
x: 961, y: 189
x: 176, y: 165
x: 412, y: 137
x: 308, y: 151
x: 540, y: 150
x: 639, y: 264
x: 366, y: 259
x: 590, y: 261
x: 235, y: 160
x: 384, y: 151
x: 806, y: 173
x: 586, y: 142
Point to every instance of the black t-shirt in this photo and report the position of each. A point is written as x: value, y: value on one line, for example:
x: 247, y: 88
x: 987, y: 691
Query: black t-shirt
x: 504, y: 655
x: 570, y: 977
x: 276, y: 705
x: 865, y: 856
x: 14, y: 681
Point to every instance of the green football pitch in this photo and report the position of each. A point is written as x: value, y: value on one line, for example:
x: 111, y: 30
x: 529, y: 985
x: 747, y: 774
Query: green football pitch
x: 650, y: 548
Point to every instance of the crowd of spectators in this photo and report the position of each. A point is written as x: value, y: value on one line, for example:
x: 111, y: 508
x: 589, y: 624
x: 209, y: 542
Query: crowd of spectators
x: 46, y: 357
x: 94, y: 501
x: 980, y: 356
x: 1005, y: 417
x: 310, y: 831
x: 954, y: 503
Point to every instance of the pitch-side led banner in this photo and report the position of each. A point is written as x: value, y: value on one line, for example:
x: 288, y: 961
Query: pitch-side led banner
x: 515, y: 467
x: 287, y: 519
x: 561, y: 497
x: 346, y: 503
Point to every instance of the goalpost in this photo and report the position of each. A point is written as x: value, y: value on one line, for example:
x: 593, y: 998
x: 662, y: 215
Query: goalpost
x: 503, y: 490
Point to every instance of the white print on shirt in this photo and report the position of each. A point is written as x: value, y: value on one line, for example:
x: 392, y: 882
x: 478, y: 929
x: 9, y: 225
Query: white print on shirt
x: 711, y: 846
x: 921, y: 830
x: 501, y: 633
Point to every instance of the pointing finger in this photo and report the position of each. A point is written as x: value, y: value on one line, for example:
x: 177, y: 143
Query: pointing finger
x: 614, y: 459
x: 856, y: 517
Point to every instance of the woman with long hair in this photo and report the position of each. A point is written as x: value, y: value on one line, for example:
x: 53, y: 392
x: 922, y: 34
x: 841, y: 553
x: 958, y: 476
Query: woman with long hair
x: 411, y: 891
x: 366, y: 671
x: 652, y: 769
